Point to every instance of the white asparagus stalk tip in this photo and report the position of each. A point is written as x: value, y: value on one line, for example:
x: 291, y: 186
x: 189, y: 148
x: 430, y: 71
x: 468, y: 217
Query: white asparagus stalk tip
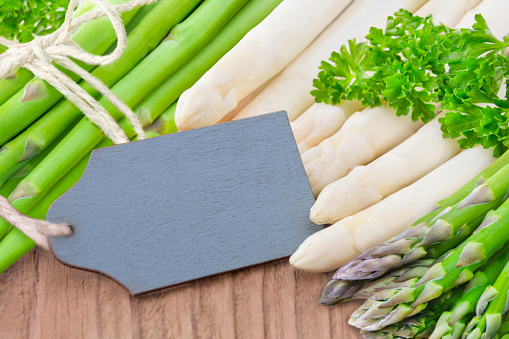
x: 495, y: 14
x: 334, y: 246
x: 290, y: 90
x: 365, y: 136
x: 320, y: 121
x: 366, y: 185
x: 260, y: 55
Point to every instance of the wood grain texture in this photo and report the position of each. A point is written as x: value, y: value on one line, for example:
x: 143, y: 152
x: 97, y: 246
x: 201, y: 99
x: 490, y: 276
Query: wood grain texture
x: 42, y: 298
x: 230, y: 196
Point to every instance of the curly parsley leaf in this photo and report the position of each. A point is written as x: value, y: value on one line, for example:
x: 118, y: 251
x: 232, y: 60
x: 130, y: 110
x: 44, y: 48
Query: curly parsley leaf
x: 413, y: 65
x: 22, y: 19
x: 399, y: 65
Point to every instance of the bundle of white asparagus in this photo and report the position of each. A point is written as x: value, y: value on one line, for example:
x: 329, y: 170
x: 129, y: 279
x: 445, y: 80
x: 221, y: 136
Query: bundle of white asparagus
x: 385, y: 178
x: 260, y: 55
x: 265, y: 51
x: 335, y: 245
x: 396, y: 169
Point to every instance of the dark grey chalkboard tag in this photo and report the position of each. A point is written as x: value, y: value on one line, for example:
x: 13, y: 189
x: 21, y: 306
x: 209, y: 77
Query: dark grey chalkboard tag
x: 175, y: 208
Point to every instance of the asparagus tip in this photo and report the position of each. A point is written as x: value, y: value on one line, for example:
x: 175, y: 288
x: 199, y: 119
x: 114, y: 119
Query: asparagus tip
x: 337, y: 290
x: 440, y: 231
x: 398, y: 247
x: 436, y: 271
x: 465, y: 276
x: 431, y: 291
x: 403, y: 296
x: 413, y: 255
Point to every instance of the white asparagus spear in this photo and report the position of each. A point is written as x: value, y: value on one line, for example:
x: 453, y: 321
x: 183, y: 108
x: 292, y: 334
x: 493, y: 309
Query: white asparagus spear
x: 334, y: 158
x: 290, y: 90
x: 365, y: 136
x: 366, y: 185
x: 321, y: 121
x: 334, y: 246
x: 260, y: 55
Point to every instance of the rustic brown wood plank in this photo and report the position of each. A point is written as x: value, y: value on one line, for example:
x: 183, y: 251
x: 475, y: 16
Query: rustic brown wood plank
x: 279, y: 301
x: 42, y: 298
x: 17, y: 297
x: 247, y: 297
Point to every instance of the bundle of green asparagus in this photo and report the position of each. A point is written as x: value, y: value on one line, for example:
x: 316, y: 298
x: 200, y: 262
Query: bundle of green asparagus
x: 45, y: 141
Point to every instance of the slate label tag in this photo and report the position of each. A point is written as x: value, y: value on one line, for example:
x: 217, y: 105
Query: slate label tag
x: 179, y: 207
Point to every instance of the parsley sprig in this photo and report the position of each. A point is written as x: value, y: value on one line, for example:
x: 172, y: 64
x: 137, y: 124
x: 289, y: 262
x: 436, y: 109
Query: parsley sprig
x: 22, y: 19
x: 413, y: 65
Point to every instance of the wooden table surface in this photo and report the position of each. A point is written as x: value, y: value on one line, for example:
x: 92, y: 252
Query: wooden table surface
x: 42, y: 298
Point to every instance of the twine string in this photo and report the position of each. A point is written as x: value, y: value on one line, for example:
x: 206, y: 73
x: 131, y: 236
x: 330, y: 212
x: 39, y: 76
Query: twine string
x: 38, y: 57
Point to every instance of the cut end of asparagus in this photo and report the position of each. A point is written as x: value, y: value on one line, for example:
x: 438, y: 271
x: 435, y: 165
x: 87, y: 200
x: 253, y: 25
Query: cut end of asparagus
x: 440, y: 231
x: 431, y: 291
x: 25, y: 189
x: 472, y: 253
x: 34, y: 90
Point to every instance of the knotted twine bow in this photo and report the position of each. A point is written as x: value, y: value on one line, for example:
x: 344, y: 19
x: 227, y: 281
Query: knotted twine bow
x: 37, y: 56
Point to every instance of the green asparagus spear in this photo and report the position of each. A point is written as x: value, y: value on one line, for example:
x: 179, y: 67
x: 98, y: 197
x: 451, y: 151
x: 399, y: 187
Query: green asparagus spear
x: 10, y: 185
x: 420, y: 325
x: 504, y: 329
x: 249, y: 16
x: 491, y: 307
x: 185, y: 40
x: 165, y: 123
x: 407, y: 246
x: 37, y: 97
x: 9, y: 87
x: 457, y: 268
x: 338, y: 290
x: 153, y: 27
x: 464, y: 308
